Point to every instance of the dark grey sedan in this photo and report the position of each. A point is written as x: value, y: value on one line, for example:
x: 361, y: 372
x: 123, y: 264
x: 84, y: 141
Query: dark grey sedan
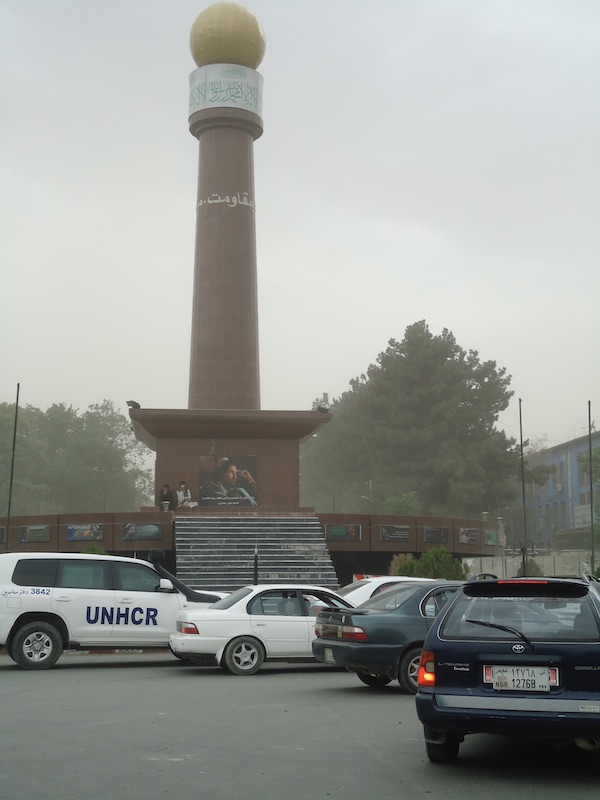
x: 382, y: 639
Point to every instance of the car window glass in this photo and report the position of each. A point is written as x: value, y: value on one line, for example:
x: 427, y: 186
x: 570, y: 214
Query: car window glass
x: 280, y: 603
x: 35, y: 572
x: 82, y: 574
x: 437, y: 600
x: 316, y: 601
x: 135, y: 577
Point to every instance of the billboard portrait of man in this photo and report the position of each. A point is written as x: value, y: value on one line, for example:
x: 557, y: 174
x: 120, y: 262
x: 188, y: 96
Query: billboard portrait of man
x: 231, y: 483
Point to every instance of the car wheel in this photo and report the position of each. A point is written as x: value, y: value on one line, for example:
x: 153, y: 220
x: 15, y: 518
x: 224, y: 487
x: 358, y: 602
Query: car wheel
x: 244, y: 656
x: 37, y: 645
x: 377, y: 681
x: 409, y: 670
x: 444, y: 752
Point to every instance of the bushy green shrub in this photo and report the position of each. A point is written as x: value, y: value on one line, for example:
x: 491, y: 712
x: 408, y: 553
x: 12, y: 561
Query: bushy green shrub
x: 435, y: 563
x: 403, y: 564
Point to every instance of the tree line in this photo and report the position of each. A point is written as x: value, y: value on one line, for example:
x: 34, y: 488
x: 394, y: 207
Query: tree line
x: 416, y: 435
x: 70, y: 462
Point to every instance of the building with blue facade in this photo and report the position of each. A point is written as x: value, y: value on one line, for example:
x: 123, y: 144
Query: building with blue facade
x: 559, y: 511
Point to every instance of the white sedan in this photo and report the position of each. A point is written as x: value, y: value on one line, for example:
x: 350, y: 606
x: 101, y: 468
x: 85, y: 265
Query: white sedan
x: 363, y: 590
x: 268, y: 622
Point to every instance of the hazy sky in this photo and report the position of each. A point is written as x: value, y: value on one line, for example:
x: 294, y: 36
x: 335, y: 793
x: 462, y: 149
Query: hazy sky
x: 421, y: 159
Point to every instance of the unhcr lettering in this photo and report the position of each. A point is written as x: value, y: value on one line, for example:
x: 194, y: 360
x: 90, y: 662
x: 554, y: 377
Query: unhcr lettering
x: 102, y: 615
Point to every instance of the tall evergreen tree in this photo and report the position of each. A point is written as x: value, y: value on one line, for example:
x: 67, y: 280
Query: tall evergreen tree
x: 421, y: 420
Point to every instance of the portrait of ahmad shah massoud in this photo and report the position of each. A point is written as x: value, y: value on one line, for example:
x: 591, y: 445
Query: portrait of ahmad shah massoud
x: 231, y: 483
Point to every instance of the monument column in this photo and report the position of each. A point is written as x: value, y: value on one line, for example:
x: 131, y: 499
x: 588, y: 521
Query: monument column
x: 227, y: 44
x: 224, y: 418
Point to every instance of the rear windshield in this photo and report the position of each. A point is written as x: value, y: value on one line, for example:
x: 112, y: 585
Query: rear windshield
x: 392, y: 598
x: 351, y: 587
x: 539, y: 617
x: 232, y: 599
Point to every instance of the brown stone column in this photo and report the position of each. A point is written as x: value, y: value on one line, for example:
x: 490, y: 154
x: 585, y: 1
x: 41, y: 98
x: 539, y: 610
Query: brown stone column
x: 224, y: 358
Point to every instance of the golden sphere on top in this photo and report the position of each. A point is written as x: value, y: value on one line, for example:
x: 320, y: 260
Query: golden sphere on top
x: 226, y: 33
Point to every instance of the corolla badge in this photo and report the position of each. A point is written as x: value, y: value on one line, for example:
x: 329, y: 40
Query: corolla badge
x: 518, y: 648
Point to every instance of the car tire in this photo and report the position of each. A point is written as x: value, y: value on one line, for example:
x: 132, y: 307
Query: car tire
x: 243, y: 656
x: 409, y: 670
x: 37, y: 645
x: 376, y: 681
x: 444, y: 752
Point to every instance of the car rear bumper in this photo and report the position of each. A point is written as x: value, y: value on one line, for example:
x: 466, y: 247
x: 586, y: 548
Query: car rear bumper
x: 517, y: 716
x: 189, y: 645
x: 377, y: 659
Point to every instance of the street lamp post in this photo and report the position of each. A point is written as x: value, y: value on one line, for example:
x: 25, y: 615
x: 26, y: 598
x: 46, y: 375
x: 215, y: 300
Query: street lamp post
x: 593, y: 551
x: 522, y: 471
x: 522, y: 549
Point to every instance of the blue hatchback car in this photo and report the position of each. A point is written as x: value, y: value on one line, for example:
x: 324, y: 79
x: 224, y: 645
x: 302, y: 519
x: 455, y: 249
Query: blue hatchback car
x: 518, y: 657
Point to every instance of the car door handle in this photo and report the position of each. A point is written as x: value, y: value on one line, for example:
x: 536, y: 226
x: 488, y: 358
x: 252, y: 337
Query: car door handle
x: 62, y: 599
x: 260, y: 624
x: 126, y: 600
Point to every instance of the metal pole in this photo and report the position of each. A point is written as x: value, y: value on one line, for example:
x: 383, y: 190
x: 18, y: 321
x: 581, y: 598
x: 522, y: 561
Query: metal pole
x: 522, y: 473
x: 592, y: 555
x: 12, y: 468
x: 255, y: 564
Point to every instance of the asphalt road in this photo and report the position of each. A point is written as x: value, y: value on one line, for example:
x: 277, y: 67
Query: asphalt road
x: 106, y: 727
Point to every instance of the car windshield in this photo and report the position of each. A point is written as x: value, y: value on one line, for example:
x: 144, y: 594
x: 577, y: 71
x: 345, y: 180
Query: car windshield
x: 232, y: 599
x: 541, y: 618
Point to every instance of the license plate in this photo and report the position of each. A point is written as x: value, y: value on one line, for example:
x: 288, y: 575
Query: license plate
x: 515, y: 679
x: 328, y: 653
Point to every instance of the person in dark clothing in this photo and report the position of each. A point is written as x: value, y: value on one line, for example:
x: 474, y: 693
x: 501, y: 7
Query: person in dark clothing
x: 166, y: 496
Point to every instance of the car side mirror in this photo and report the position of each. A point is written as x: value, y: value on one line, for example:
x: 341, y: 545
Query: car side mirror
x: 165, y: 585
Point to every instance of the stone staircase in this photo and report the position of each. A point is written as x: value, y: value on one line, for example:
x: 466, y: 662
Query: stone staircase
x: 218, y: 552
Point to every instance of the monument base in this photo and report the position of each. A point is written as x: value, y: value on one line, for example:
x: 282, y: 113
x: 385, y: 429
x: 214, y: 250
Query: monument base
x: 189, y: 444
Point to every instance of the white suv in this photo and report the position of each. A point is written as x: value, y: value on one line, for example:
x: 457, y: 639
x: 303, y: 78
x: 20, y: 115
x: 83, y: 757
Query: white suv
x: 50, y: 602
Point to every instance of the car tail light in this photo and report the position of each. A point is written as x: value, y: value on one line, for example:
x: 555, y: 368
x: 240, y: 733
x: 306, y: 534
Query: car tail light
x: 348, y: 632
x: 353, y: 633
x: 426, y: 675
x: 186, y: 627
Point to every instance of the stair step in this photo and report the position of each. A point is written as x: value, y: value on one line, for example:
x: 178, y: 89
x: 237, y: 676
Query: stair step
x: 218, y: 552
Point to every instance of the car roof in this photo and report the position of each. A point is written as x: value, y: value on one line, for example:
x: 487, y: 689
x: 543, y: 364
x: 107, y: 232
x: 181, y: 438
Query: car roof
x: 509, y: 587
x: 304, y: 586
x: 15, y: 556
x: 377, y: 579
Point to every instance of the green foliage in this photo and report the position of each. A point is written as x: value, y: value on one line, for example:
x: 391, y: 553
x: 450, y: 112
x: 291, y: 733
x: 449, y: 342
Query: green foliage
x: 403, y: 564
x: 406, y: 505
x: 533, y: 569
x: 439, y: 563
x: 66, y: 462
x: 94, y: 549
x: 421, y: 422
x: 435, y: 563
